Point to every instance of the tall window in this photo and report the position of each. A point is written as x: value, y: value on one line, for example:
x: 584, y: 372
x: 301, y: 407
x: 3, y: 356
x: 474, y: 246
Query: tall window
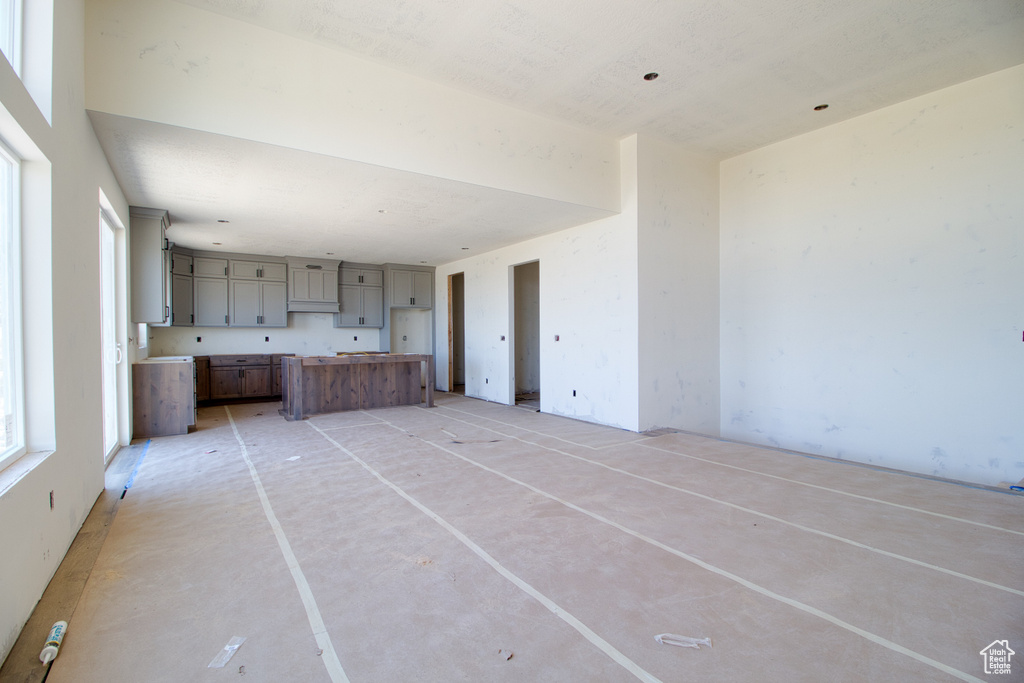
x: 12, y: 436
x: 10, y: 32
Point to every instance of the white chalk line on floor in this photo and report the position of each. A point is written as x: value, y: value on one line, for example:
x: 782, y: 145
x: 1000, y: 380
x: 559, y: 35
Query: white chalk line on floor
x: 640, y: 442
x: 603, y: 645
x: 316, y: 622
x: 796, y: 525
x: 803, y: 607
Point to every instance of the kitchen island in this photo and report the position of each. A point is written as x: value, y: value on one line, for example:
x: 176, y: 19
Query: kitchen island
x: 311, y: 385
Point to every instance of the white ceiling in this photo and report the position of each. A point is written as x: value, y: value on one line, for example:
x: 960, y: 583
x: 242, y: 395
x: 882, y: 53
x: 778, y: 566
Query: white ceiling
x: 734, y: 75
x: 282, y: 201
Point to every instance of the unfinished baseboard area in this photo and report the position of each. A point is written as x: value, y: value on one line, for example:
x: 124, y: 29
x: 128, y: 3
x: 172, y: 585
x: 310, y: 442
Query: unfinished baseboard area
x: 474, y: 541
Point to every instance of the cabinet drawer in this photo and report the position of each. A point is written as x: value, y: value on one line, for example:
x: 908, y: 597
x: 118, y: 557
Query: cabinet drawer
x: 240, y: 360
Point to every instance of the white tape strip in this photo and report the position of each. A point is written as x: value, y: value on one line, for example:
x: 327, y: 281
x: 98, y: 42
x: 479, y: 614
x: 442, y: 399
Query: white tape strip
x: 225, y: 655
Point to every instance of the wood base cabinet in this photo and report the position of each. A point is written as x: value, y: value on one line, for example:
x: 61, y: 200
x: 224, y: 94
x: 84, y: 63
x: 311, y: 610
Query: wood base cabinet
x: 163, y: 398
x: 245, y: 376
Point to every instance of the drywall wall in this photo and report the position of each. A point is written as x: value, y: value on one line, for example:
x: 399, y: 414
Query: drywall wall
x: 677, y: 231
x: 587, y: 299
x: 527, y: 327
x: 307, y: 334
x: 873, y: 286
x: 171, y: 63
x: 62, y: 330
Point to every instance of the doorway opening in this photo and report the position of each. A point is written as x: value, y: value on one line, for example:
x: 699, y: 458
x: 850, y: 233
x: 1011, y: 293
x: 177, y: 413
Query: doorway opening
x: 526, y: 312
x: 457, y: 333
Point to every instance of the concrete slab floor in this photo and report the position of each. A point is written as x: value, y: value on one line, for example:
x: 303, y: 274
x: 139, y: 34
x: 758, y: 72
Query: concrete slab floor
x: 480, y: 542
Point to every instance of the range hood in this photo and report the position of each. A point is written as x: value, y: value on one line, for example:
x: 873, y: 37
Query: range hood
x: 312, y: 285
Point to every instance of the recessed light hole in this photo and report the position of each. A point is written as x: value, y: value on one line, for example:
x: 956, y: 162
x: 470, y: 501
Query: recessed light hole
x: 821, y: 107
x: 650, y: 76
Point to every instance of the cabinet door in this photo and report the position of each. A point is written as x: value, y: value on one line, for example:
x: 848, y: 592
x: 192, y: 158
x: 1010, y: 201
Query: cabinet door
x: 203, y: 266
x: 225, y: 382
x: 211, y: 302
x: 181, y: 300
x: 274, y: 272
x: 244, y: 303
x: 373, y: 307
x: 256, y: 381
x: 351, y: 297
x: 372, y: 278
x: 401, y: 287
x: 243, y: 270
x: 351, y: 276
x: 273, y: 304
x: 181, y: 264
x: 149, y: 270
x: 202, y: 378
x: 422, y: 289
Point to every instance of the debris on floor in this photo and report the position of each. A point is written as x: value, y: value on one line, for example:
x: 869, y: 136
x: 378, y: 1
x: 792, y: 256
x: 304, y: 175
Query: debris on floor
x: 293, y: 458
x: 227, y: 653
x: 682, y: 641
x: 507, y: 654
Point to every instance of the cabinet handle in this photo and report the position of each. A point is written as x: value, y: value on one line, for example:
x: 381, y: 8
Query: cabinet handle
x: 241, y: 372
x: 225, y: 320
x: 412, y: 300
x: 192, y: 318
x: 310, y: 266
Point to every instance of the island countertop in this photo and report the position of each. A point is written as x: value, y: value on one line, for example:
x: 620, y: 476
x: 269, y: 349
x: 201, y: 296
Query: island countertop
x: 312, y: 385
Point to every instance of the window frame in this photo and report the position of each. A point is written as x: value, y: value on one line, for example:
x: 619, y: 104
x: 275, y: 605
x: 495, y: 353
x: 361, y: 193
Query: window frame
x: 11, y: 13
x: 10, y: 240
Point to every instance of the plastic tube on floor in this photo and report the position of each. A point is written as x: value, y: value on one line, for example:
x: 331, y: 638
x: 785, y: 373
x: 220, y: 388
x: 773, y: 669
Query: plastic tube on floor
x: 53, y: 641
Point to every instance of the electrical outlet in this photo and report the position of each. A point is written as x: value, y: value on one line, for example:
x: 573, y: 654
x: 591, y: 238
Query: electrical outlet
x: 574, y: 393
x: 355, y: 338
x: 199, y: 339
x: 486, y: 380
x: 266, y: 339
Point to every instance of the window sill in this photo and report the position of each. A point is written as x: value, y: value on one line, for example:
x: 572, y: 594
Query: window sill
x: 16, y: 470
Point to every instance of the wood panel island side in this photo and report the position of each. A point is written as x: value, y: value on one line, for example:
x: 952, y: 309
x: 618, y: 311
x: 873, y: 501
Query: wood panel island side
x: 311, y: 385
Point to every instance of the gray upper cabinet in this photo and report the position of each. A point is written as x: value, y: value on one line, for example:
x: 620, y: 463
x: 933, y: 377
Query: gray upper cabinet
x: 149, y: 268
x: 206, y: 266
x: 211, y: 301
x: 360, y: 307
x: 181, y: 264
x: 361, y: 295
x: 275, y: 271
x: 181, y: 300
x: 254, y: 303
x: 411, y: 288
x: 367, y: 277
x: 181, y: 289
